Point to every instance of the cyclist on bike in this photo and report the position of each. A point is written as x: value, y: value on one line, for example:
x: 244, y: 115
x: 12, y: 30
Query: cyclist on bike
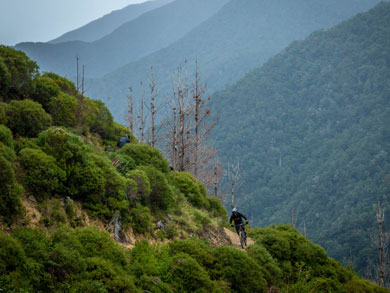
x: 237, y: 217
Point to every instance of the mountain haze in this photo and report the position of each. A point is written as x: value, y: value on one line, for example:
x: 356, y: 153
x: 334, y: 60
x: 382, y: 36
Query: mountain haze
x: 108, y: 23
x: 150, y: 32
x: 311, y: 131
x: 241, y: 36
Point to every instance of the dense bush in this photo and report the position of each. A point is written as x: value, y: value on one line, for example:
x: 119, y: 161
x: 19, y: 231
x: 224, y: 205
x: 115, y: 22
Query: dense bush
x: 142, y: 182
x: 17, y: 72
x: 63, y: 110
x: 216, y: 208
x: 191, y: 188
x: 3, y: 112
x: 141, y: 220
x: 237, y: 268
x: 27, y: 118
x: 45, y: 89
x: 6, y: 136
x: 99, y: 119
x: 64, y: 84
x: 186, y: 275
x: 10, y: 192
x: 161, y: 195
x: 43, y: 177
x: 145, y: 155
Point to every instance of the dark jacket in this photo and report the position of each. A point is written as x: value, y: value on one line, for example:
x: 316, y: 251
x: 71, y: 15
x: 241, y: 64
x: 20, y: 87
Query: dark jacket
x: 237, y: 217
x: 122, y: 141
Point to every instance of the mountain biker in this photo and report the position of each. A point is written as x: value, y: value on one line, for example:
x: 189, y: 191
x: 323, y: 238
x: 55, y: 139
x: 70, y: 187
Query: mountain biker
x: 237, y: 217
x: 123, y: 140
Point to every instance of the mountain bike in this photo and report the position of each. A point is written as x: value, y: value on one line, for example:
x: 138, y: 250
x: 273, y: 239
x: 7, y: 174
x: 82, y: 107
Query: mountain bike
x: 242, y: 235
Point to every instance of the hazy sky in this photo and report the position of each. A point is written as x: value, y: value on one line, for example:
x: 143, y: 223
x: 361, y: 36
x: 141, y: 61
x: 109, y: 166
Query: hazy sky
x: 44, y: 20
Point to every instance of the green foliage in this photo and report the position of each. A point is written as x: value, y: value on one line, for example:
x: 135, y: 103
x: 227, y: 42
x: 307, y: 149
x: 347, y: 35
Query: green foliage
x: 191, y: 188
x: 99, y: 119
x: 216, y: 208
x: 141, y: 180
x: 64, y: 84
x: 17, y: 72
x: 235, y: 267
x: 141, y: 219
x: 63, y: 110
x: 187, y: 275
x: 3, y: 113
x: 6, y: 136
x: 161, y: 195
x: 45, y: 89
x: 43, y: 177
x: 27, y: 118
x: 120, y: 130
x: 145, y: 155
x: 10, y: 192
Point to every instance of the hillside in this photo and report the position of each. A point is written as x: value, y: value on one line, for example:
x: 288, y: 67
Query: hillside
x: 103, y: 26
x: 132, y: 40
x: 311, y: 131
x: 241, y: 36
x: 71, y: 205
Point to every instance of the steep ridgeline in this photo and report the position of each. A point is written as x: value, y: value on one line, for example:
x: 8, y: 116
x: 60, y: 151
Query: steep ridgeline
x: 105, y: 25
x: 311, y: 131
x: 72, y: 206
x: 240, y: 37
x: 148, y: 33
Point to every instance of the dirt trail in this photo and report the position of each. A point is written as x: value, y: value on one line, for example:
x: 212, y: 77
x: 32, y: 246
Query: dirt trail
x: 235, y: 239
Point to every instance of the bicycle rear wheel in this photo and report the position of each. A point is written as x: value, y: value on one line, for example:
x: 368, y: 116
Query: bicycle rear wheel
x: 242, y: 239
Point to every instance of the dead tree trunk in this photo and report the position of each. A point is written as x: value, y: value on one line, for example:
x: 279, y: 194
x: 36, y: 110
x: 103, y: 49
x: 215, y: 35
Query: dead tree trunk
x: 380, y: 216
x: 130, y: 111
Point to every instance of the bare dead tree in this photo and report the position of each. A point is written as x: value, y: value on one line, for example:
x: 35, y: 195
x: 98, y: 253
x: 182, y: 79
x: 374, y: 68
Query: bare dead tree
x: 380, y: 217
x: 130, y: 111
x: 233, y: 174
x: 293, y: 218
x: 77, y: 72
x: 82, y: 81
x: 141, y: 118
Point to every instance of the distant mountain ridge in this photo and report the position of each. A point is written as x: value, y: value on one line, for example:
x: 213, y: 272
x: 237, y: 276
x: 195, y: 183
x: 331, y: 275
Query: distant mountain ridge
x: 239, y: 37
x: 108, y: 23
x: 148, y: 33
x: 311, y: 131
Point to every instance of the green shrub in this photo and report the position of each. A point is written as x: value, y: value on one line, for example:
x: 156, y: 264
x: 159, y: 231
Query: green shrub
x: 197, y: 249
x: 17, y: 72
x: 35, y: 243
x: 27, y: 118
x: 191, y: 188
x: 120, y: 130
x: 142, y: 182
x: 186, y: 275
x: 161, y: 196
x: 25, y: 142
x: 43, y: 177
x: 122, y: 162
x: 7, y: 152
x: 12, y: 256
x: 63, y: 110
x: 10, y: 192
x: 216, y: 208
x: 235, y: 267
x: 269, y: 267
x: 99, y: 119
x: 65, y: 85
x: 145, y: 155
x: 140, y: 219
x: 45, y: 89
x: 3, y: 112
x: 66, y: 147
x: 6, y: 136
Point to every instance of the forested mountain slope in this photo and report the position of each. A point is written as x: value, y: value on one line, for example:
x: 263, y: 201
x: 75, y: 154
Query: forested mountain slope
x: 103, y: 26
x: 240, y: 37
x: 311, y: 131
x: 69, y: 202
x: 148, y: 33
